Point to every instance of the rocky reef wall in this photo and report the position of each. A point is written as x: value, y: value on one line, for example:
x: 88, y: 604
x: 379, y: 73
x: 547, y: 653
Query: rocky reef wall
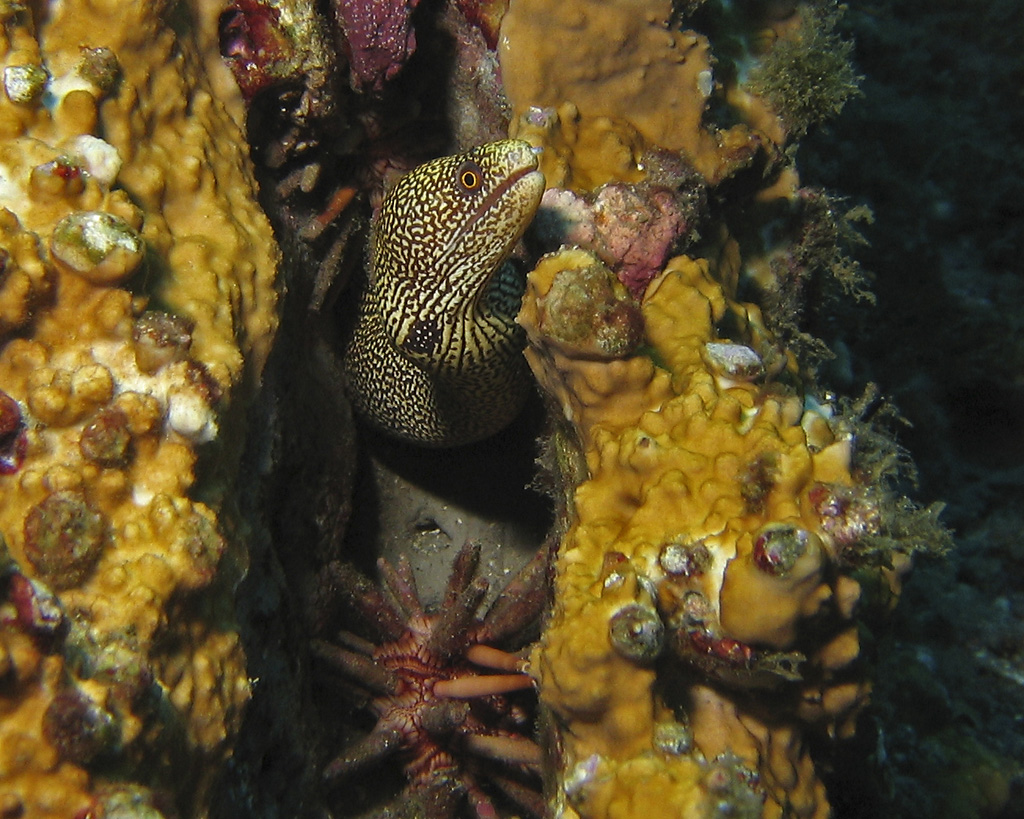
x: 724, y: 522
x: 722, y: 511
x: 137, y: 306
x: 725, y: 525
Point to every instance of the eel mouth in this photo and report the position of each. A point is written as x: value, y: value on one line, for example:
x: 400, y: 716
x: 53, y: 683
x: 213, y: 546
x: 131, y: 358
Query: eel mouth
x: 528, y: 178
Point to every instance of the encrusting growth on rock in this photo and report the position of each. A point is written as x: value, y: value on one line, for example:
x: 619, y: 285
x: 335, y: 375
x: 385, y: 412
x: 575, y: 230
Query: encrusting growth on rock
x: 720, y: 515
x: 126, y: 187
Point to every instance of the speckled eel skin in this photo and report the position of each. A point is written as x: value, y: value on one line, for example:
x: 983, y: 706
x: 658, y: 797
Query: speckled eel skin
x: 435, y: 355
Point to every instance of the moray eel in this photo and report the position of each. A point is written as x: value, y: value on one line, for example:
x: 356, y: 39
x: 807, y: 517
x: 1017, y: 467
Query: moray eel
x: 435, y: 355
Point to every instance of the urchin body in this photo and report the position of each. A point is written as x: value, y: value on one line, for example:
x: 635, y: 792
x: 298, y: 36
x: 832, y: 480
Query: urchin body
x: 456, y: 710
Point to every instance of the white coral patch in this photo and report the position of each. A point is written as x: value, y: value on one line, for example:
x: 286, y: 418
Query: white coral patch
x: 190, y: 416
x: 63, y: 85
x: 187, y: 412
x: 100, y: 159
x: 705, y: 83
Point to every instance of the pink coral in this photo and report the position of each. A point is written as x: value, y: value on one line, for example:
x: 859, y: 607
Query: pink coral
x: 639, y: 229
x: 631, y: 228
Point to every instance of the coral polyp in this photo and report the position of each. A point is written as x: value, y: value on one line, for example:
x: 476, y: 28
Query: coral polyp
x: 452, y: 706
x: 255, y: 45
x: 13, y: 441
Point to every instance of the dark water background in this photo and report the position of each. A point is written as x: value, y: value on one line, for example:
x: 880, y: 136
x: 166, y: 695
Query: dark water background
x: 935, y: 148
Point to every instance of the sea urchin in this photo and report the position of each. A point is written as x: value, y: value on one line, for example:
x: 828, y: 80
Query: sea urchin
x: 453, y: 706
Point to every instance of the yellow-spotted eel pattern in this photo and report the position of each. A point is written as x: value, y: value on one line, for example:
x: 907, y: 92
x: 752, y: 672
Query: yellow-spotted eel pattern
x: 435, y: 355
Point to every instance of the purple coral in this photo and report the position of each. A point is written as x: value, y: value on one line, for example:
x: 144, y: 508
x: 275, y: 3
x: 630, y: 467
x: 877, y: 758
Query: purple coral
x: 848, y: 515
x: 106, y: 440
x: 78, y: 727
x: 34, y: 608
x: 638, y: 229
x: 13, y: 440
x: 778, y: 547
x: 254, y: 44
x: 379, y: 38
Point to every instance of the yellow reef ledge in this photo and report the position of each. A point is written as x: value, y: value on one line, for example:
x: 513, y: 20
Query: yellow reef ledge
x: 137, y: 306
x: 693, y: 462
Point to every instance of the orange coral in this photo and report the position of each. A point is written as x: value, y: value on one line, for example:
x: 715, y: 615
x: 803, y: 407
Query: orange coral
x: 124, y: 182
x: 695, y: 533
x: 631, y: 81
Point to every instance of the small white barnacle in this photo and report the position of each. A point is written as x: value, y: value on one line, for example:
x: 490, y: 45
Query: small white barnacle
x: 705, y: 82
x: 98, y: 246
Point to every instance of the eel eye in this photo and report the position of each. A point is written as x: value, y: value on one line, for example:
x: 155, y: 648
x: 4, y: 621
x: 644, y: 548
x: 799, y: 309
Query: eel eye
x: 470, y: 177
